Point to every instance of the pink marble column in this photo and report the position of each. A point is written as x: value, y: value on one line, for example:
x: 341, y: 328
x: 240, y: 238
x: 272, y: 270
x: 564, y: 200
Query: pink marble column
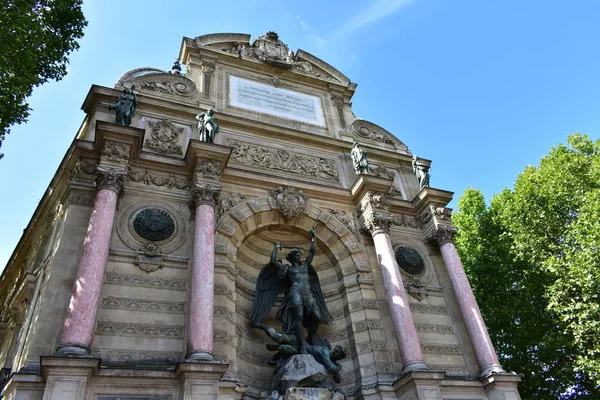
x: 78, y: 330
x: 476, y: 329
x: 202, y: 299
x: 406, y: 333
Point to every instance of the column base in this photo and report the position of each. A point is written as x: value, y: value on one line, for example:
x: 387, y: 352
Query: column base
x: 414, y: 366
x: 490, y: 369
x: 200, y: 356
x: 73, y: 350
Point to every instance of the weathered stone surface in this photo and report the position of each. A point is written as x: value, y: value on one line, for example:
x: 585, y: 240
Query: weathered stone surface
x: 302, y: 370
x: 306, y: 393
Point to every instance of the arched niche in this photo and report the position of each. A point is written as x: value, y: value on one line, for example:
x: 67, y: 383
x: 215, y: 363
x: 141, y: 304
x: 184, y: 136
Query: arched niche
x: 243, y: 244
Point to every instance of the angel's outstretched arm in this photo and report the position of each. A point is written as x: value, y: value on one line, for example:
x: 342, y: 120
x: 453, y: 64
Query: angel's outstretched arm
x: 274, y: 255
x: 313, y: 247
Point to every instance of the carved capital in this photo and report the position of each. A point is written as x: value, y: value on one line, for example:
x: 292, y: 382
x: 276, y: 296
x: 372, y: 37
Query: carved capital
x: 442, y: 234
x: 378, y: 222
x: 338, y: 100
x: 205, y: 194
x: 110, y: 178
x: 208, y: 67
x: 208, y: 169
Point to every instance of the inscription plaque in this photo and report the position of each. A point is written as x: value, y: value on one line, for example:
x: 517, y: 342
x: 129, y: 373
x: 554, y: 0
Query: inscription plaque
x: 279, y: 102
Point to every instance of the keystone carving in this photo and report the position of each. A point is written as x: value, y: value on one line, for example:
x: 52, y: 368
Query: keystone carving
x: 290, y: 201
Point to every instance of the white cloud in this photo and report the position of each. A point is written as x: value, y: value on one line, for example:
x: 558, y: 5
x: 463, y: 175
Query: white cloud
x: 312, y: 32
x: 374, y: 12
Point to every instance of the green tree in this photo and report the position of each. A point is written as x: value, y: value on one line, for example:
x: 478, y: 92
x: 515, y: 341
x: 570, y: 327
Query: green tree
x: 36, y: 36
x: 534, y: 263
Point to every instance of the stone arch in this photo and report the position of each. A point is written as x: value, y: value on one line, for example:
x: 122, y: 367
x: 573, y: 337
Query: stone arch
x: 343, y: 259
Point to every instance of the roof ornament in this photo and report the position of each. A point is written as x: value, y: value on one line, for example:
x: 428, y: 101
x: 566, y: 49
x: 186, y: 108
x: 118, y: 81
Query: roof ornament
x: 176, y: 68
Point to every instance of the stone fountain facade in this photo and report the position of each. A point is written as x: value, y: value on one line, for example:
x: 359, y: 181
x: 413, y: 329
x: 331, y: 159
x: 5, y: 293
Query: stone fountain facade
x: 136, y: 274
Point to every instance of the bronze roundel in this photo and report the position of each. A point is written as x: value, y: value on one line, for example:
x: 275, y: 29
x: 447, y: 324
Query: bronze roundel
x: 154, y: 224
x: 409, y: 260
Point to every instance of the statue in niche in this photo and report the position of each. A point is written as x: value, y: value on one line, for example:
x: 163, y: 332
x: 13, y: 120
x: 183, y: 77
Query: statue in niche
x: 359, y: 159
x: 303, y: 304
x: 125, y: 107
x: 207, y: 127
x: 421, y: 171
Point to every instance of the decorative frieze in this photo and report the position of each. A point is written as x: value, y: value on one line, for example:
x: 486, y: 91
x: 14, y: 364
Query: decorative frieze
x: 431, y: 328
x: 140, y: 330
x: 437, y: 348
x: 154, y: 306
x: 151, y: 179
x: 428, y: 308
x: 145, y: 281
x: 174, y: 87
x: 283, y: 160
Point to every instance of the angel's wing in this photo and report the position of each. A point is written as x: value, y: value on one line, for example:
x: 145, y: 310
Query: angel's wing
x: 315, y: 288
x: 268, y: 286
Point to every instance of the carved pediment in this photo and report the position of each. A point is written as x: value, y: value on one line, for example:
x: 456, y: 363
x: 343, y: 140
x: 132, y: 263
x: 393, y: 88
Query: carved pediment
x: 156, y: 81
x: 371, y: 131
x: 269, y: 49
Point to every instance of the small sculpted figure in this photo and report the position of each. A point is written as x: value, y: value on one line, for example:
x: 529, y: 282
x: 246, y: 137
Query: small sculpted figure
x: 359, y: 159
x: 125, y: 107
x: 421, y: 171
x: 176, y: 68
x: 303, y: 304
x: 286, y: 346
x: 207, y: 127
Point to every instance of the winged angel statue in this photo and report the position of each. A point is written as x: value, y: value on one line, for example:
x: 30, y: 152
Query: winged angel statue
x: 303, y: 303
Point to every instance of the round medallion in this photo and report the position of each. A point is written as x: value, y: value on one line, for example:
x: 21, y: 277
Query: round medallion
x: 154, y: 224
x: 409, y: 260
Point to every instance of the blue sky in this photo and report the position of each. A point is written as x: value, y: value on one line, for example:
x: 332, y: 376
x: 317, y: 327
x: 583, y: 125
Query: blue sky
x: 482, y: 88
